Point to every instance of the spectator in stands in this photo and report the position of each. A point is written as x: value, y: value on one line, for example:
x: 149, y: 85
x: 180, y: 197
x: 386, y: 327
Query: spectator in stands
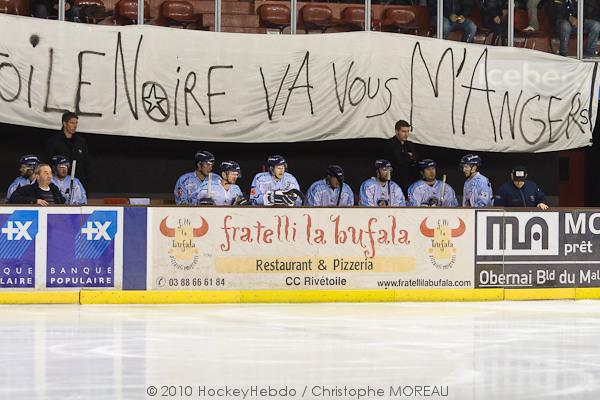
x: 42, y: 192
x: 563, y: 14
x: 477, y: 191
x: 428, y: 191
x: 225, y: 192
x: 331, y: 191
x: 70, y: 145
x: 403, y: 154
x: 495, y: 21
x: 520, y: 192
x: 532, y: 13
x: 26, y: 174
x: 189, y: 185
x: 380, y: 190
x: 49, y: 8
x: 277, y: 186
x: 62, y: 179
x: 456, y: 17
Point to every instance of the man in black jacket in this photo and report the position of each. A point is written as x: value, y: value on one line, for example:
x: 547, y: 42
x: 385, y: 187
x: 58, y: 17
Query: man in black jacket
x: 564, y: 17
x: 42, y: 192
x: 456, y: 13
x: 403, y: 155
x: 70, y: 145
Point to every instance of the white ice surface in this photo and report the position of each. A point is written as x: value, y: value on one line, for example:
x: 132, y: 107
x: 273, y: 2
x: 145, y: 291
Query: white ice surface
x: 498, y: 350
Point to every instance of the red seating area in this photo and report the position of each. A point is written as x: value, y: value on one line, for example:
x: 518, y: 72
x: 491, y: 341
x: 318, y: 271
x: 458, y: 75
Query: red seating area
x: 261, y: 16
x: 178, y: 13
x: 16, y: 7
x: 276, y: 16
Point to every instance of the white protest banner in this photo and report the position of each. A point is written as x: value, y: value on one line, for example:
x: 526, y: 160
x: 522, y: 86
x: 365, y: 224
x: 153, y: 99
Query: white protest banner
x: 179, y: 84
x: 309, y: 248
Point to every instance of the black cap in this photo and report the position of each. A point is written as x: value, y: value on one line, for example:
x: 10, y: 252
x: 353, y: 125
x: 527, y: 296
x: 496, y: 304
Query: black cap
x: 335, y: 171
x: 519, y: 173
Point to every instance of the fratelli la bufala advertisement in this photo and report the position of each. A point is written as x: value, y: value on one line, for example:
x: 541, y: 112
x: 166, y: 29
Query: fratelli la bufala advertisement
x: 278, y: 248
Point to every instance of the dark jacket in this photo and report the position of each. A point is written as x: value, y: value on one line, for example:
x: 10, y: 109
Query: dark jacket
x: 458, y: 7
x: 557, y: 9
x: 73, y: 149
x: 529, y: 195
x: 31, y: 193
x: 492, y: 8
x: 404, y: 161
x: 49, y: 5
x: 591, y: 9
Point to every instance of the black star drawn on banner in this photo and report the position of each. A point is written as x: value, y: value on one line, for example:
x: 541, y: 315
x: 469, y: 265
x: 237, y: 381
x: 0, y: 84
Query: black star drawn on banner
x: 153, y: 101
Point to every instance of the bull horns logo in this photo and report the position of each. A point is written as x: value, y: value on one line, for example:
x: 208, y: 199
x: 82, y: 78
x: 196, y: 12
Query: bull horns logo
x: 196, y: 232
x: 430, y: 232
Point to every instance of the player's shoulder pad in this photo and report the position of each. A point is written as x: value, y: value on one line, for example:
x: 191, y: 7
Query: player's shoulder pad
x: 368, y: 182
x: 262, y: 175
x: 289, y: 176
x: 186, y: 176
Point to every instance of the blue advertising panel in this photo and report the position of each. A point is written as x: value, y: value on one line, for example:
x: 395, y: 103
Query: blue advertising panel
x: 18, y: 237
x: 81, y: 249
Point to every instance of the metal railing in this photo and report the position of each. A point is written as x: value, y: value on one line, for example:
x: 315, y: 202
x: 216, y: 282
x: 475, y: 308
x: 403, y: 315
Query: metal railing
x: 368, y: 18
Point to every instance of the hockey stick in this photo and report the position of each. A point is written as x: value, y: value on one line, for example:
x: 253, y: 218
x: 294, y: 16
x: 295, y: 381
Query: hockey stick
x: 72, y: 183
x: 389, y: 190
x: 341, y: 182
x: 209, y: 195
x: 443, y: 190
x: 208, y: 200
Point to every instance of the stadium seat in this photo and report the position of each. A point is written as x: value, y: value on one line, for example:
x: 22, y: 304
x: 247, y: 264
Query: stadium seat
x: 178, y: 13
x: 401, y: 20
x: 275, y: 16
x: 7, y: 7
x: 317, y: 17
x: 126, y: 13
x: 353, y: 18
x: 92, y: 11
x: 21, y: 7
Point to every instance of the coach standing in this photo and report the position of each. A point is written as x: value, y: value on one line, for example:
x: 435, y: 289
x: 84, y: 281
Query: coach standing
x: 70, y: 145
x: 403, y: 155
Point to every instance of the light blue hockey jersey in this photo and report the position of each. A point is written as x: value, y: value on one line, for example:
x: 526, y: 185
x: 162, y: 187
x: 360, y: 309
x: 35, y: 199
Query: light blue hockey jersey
x: 477, y: 192
x: 264, y: 182
x: 17, y: 183
x: 79, y: 196
x: 320, y: 194
x: 220, y: 196
x: 372, y: 194
x: 422, y: 194
x: 188, y: 186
